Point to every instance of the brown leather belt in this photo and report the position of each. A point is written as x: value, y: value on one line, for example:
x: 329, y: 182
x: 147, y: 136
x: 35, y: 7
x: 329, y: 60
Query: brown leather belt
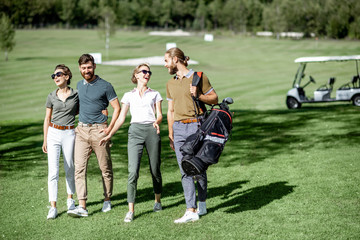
x: 61, y: 127
x: 190, y: 120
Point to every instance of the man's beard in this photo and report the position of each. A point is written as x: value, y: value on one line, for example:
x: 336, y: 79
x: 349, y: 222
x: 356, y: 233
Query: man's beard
x: 88, y: 76
x: 173, y: 69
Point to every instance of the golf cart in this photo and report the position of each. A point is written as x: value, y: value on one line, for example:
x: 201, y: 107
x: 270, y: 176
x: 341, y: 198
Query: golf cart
x: 346, y: 92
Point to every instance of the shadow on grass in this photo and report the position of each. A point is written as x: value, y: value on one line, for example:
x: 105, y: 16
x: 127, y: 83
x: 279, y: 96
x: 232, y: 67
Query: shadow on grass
x: 31, y: 58
x: 257, y: 135
x: 232, y: 200
x: 144, y: 195
x: 20, y: 149
x: 251, y: 199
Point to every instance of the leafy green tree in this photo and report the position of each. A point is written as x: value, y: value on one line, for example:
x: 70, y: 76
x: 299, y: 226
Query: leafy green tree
x: 312, y: 18
x: 156, y: 15
x: 254, y: 13
x: 215, y: 9
x: 274, y: 18
x: 125, y: 15
x: 235, y: 15
x: 178, y: 9
x: 338, y: 20
x: 354, y: 31
x: 89, y: 11
x: 106, y: 23
x: 166, y: 14
x: 183, y: 13
x: 144, y: 12
x: 354, y: 28
x: 7, y: 34
x: 200, y: 16
x: 67, y: 12
x: 332, y: 18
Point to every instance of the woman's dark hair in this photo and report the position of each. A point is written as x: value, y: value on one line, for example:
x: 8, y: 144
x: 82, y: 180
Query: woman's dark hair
x: 66, y: 71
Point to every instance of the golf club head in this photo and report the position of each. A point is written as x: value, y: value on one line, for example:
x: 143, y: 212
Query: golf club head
x: 228, y: 100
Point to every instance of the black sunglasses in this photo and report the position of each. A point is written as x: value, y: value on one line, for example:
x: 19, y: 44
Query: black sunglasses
x: 58, y: 74
x: 145, y: 72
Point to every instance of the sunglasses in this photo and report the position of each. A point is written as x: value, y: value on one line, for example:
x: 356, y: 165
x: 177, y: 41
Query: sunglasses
x: 146, y: 72
x: 58, y: 74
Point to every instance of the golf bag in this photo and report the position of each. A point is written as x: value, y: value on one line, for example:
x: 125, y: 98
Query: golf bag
x: 204, y: 147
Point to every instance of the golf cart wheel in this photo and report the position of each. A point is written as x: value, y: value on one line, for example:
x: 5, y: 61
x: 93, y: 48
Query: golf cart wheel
x: 356, y: 100
x: 292, y: 103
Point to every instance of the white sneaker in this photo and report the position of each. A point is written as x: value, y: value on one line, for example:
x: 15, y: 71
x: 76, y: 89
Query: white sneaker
x: 157, y: 207
x: 106, y: 207
x: 189, y: 216
x: 201, y: 210
x: 129, y: 217
x: 52, y: 213
x: 70, y: 204
x: 78, y: 212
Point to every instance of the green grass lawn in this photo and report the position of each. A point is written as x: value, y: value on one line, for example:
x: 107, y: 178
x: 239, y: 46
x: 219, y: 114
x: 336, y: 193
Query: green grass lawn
x: 284, y: 174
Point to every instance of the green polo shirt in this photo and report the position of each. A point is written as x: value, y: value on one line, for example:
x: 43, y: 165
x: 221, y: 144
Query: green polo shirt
x: 94, y: 97
x: 63, y: 113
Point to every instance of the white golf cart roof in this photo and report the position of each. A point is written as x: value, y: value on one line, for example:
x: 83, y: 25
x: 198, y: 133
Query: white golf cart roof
x: 327, y: 59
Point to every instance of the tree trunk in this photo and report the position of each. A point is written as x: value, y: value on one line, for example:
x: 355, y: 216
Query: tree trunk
x: 107, y: 33
x: 6, y: 55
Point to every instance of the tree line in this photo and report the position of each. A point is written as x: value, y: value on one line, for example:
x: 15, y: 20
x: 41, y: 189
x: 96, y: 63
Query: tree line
x: 327, y: 18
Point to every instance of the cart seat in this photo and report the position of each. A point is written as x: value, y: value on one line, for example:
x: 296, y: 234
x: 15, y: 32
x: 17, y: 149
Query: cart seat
x: 354, y: 81
x: 328, y: 86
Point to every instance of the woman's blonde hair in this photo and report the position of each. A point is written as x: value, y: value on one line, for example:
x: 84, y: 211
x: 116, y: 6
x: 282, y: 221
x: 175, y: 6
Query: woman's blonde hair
x: 176, y: 52
x: 136, y: 70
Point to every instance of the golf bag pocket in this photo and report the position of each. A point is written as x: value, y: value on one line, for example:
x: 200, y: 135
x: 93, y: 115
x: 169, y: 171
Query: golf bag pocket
x: 210, y: 151
x: 192, y: 143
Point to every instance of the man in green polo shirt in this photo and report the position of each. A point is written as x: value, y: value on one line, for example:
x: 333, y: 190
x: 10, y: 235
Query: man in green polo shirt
x: 95, y: 94
x: 182, y: 122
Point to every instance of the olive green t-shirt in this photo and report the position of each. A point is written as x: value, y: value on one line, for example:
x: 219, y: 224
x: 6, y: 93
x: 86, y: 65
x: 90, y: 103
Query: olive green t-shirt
x: 63, y: 113
x: 178, y: 90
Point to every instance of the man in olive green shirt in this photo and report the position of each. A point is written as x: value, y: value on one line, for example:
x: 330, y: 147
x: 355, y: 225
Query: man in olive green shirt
x: 182, y: 122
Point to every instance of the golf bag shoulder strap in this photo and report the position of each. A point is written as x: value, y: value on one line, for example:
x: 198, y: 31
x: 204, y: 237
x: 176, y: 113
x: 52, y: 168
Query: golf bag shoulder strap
x: 197, y: 77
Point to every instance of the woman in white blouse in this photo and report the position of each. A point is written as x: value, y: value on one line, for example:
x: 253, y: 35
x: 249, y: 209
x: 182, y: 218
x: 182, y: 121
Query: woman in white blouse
x: 146, y: 115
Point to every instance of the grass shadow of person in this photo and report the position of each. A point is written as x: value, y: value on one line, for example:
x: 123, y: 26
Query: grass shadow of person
x: 225, y: 191
x: 254, y: 198
x: 143, y: 195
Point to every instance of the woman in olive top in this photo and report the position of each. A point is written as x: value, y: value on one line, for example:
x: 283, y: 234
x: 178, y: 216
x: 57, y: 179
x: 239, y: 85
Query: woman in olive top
x: 145, y: 108
x: 62, y: 105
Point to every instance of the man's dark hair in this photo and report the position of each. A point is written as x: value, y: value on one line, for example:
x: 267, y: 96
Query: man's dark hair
x: 86, y: 58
